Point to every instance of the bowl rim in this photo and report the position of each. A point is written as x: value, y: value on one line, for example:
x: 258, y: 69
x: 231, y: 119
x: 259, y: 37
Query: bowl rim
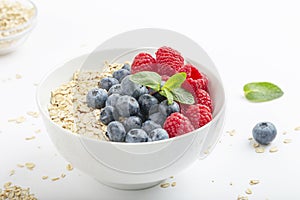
x: 66, y: 131
x: 30, y: 24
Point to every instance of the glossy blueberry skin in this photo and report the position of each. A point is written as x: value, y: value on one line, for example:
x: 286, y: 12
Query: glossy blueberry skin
x: 96, y: 98
x: 121, y: 74
x: 112, y: 100
x: 126, y: 106
x: 149, y: 126
x: 158, y: 118
x: 107, y: 82
x: 132, y: 122
x: 167, y: 109
x: 158, y: 134
x: 132, y: 89
x: 115, y: 89
x: 146, y: 101
x: 264, y: 132
x: 106, y: 115
x: 116, y: 131
x: 127, y: 67
x: 137, y: 135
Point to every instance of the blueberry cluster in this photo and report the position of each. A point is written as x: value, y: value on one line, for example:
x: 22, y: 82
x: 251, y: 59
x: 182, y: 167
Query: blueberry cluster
x: 132, y: 112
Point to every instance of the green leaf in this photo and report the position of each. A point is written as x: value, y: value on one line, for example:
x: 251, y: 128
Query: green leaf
x: 262, y: 91
x: 183, y: 96
x: 175, y: 81
x: 166, y: 93
x: 147, y: 78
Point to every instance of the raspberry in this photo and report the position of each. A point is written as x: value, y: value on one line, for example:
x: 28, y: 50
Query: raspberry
x: 199, y: 115
x: 169, y: 58
x: 202, y: 97
x: 191, y: 72
x: 198, y: 83
x: 143, y: 62
x: 177, y: 124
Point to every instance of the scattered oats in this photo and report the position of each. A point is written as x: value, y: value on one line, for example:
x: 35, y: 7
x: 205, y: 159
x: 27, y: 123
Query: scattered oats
x: 7, y: 185
x: 273, y: 149
x: 259, y: 149
x: 69, y: 167
x: 30, y: 165
x: 248, y: 191
x: 255, y: 145
x: 231, y: 132
x: 45, y: 177
x: 18, y: 120
x: 297, y: 128
x: 250, y: 138
x: 55, y: 179
x: 164, y: 185
x: 284, y: 132
x: 33, y: 114
x: 242, y: 197
x: 38, y: 131
x: 173, y: 184
x: 35, y: 84
x: 30, y: 138
x: 206, y: 151
x: 287, y: 141
x: 18, y: 76
x: 12, y: 172
x: 254, y: 182
x: 63, y: 175
x: 20, y: 165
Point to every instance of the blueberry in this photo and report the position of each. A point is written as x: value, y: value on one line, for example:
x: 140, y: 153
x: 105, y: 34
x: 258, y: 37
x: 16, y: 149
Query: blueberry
x: 116, y: 131
x: 132, y: 123
x: 126, y: 106
x: 107, y: 82
x: 127, y: 67
x: 264, y: 132
x: 146, y: 101
x: 142, y: 116
x: 158, y: 134
x: 167, y: 109
x: 158, y: 118
x: 106, y: 115
x: 153, y: 109
x: 137, y: 135
x: 115, y: 89
x: 96, y: 98
x: 149, y: 126
x: 112, y: 100
x: 121, y: 74
x: 132, y: 89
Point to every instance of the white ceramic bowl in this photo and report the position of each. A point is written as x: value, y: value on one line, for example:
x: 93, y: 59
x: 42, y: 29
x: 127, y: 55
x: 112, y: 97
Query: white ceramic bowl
x: 127, y: 165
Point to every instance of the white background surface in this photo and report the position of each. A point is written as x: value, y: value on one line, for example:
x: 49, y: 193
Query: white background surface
x: 247, y: 40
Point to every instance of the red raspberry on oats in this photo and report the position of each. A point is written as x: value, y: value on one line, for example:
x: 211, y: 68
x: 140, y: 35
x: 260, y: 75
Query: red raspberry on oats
x: 199, y: 115
x: 177, y: 124
x: 169, y: 58
x: 143, y: 62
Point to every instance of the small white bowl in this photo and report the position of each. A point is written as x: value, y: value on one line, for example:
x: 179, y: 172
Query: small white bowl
x: 127, y: 165
x: 15, y: 37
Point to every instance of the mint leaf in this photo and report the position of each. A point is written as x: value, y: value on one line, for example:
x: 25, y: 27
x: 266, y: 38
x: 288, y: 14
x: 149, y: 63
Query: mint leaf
x: 262, y: 91
x: 147, y: 78
x: 175, y: 81
x: 166, y: 93
x: 183, y: 96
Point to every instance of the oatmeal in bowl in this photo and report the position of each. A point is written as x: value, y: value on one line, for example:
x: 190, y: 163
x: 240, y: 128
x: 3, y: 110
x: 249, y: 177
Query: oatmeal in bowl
x: 135, y: 116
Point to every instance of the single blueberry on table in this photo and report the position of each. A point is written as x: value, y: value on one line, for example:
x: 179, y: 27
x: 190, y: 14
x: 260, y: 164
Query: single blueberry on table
x: 116, y: 131
x: 121, y: 74
x: 132, y: 123
x: 158, y: 134
x: 107, y: 82
x: 149, y: 126
x: 167, y: 109
x: 264, y: 132
x: 137, y: 135
x: 115, y: 89
x: 106, y: 115
x: 96, y: 98
x: 146, y: 101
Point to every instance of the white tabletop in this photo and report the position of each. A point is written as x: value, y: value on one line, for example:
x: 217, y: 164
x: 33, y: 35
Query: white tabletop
x: 248, y: 41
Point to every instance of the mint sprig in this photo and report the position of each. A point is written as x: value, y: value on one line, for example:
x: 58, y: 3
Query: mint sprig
x: 262, y: 91
x: 171, y: 89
